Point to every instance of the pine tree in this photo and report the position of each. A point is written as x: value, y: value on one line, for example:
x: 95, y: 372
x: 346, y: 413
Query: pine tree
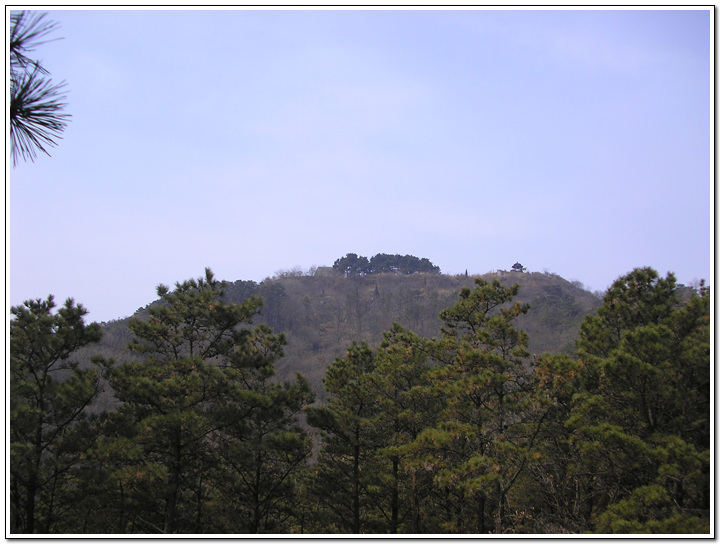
x: 401, y: 380
x: 199, y: 402
x: 262, y: 451
x: 344, y: 469
x: 640, y: 426
x: 49, y: 397
x: 555, y: 489
x: 489, y: 422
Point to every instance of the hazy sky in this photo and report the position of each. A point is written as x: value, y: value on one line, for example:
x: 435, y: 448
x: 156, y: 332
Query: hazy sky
x: 575, y: 142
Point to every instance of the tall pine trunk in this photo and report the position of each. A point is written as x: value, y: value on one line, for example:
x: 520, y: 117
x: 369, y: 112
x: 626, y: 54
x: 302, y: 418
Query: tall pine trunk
x: 32, y: 485
x: 255, y: 521
x: 356, y: 485
x: 481, y: 515
x: 395, y: 498
x: 173, y: 485
x: 415, y: 500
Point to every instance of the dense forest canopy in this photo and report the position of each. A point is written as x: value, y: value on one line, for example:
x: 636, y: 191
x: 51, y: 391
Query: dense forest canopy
x: 466, y: 430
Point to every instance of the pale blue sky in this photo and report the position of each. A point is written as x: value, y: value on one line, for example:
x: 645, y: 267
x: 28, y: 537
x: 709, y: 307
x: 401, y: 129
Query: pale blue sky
x: 575, y: 142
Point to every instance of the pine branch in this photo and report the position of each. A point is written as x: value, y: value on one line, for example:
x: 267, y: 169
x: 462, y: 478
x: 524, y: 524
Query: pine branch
x: 36, y: 104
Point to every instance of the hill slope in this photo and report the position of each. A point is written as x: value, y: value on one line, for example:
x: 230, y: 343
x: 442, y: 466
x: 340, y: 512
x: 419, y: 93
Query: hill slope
x: 322, y: 315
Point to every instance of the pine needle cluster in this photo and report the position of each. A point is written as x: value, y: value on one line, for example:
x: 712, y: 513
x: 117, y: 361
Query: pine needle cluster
x: 37, y: 119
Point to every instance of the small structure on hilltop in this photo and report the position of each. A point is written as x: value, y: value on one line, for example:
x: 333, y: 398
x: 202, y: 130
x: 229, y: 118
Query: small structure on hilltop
x: 517, y: 267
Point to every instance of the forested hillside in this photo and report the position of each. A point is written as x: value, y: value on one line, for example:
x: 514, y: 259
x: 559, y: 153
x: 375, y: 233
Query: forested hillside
x: 321, y: 315
x: 438, y: 411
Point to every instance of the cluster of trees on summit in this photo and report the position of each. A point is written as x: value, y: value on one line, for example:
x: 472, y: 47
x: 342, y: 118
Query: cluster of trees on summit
x: 464, y: 433
x: 382, y: 263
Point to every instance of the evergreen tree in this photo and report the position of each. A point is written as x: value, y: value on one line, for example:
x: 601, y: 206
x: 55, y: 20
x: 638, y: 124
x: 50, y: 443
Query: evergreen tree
x: 49, y: 397
x: 489, y: 422
x: 637, y: 299
x: 199, y: 402
x: 262, y: 450
x: 344, y: 469
x: 352, y: 265
x: 640, y: 426
x: 557, y: 493
x: 406, y: 406
x: 118, y: 483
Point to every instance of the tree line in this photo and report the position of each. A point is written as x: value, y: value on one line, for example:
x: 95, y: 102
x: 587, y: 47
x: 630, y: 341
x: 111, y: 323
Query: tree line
x: 464, y: 433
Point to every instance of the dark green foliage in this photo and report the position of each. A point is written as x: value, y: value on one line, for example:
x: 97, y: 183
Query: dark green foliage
x: 344, y: 466
x: 407, y: 404
x: 489, y: 422
x: 215, y: 435
x: 639, y: 422
x: 261, y: 451
x: 382, y: 263
x: 417, y: 441
x: 365, y: 481
x: 465, y: 432
x: 640, y: 298
x: 49, y: 394
x: 240, y: 290
x: 352, y: 265
x: 401, y: 264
